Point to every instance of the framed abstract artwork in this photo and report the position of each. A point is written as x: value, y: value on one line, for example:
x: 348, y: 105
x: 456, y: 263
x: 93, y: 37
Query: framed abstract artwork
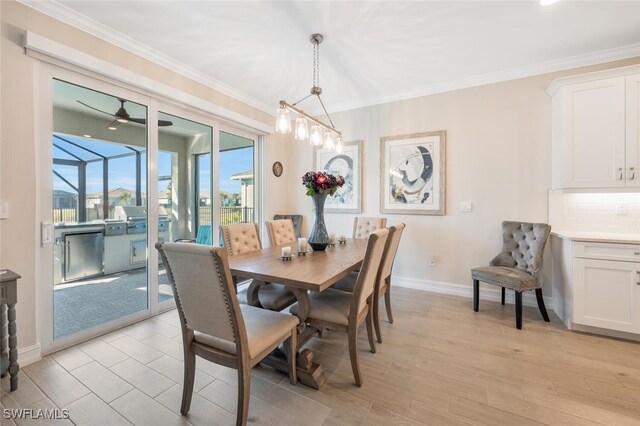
x: 347, y: 164
x: 413, y: 173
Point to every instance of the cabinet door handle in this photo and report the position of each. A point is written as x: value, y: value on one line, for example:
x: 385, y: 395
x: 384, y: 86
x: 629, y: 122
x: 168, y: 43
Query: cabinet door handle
x: 632, y: 173
x: 620, y: 173
x: 638, y: 281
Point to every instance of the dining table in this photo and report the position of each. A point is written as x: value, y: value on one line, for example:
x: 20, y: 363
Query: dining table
x: 302, y: 273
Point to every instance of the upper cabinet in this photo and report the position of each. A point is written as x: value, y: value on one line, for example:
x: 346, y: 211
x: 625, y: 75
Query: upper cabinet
x: 596, y: 130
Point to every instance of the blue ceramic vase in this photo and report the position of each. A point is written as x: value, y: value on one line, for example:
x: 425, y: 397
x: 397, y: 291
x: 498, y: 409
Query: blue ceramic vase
x: 318, y: 239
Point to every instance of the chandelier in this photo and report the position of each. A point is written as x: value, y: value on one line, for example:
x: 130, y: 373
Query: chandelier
x: 319, y: 134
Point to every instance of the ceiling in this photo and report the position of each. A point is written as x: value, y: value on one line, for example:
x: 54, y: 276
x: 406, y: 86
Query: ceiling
x: 373, y: 52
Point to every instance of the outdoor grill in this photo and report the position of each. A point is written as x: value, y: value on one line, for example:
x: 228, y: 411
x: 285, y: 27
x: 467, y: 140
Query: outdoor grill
x: 135, y: 218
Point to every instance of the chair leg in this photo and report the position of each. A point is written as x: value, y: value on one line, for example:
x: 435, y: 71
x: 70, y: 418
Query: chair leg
x: 353, y: 353
x: 244, y: 383
x: 291, y: 345
x: 387, y: 302
x: 476, y: 294
x: 503, y: 291
x: 543, y: 309
x: 376, y: 318
x: 369, y: 321
x: 189, y: 377
x: 518, y: 310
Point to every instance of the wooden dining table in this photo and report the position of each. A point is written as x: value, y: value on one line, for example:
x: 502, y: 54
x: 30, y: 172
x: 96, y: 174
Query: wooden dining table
x: 313, y: 271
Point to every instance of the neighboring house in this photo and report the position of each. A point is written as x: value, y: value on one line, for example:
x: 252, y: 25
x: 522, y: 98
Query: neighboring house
x: 246, y: 190
x: 64, y: 199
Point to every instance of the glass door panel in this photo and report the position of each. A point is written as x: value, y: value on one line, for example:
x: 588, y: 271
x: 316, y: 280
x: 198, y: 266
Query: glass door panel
x: 99, y: 209
x: 236, y: 180
x: 184, y: 186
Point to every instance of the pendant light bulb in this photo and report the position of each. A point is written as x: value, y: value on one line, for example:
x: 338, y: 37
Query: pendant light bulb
x: 316, y: 135
x: 329, y: 141
x: 302, y: 129
x: 339, y: 144
x: 283, y: 121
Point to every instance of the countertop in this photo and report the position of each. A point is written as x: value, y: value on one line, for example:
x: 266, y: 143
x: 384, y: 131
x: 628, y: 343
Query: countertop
x: 600, y: 237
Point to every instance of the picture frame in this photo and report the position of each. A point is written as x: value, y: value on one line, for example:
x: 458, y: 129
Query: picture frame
x: 349, y: 165
x: 412, y: 173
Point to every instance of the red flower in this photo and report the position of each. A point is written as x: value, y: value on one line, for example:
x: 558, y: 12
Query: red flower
x: 321, y: 179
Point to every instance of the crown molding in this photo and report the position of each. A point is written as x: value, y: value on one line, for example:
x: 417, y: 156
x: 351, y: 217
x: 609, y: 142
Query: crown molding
x: 77, y: 20
x: 69, y: 16
x: 599, y: 57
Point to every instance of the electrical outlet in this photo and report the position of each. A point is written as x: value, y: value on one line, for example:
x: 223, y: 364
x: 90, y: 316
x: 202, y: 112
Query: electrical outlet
x: 433, y: 261
x: 466, y: 206
x: 622, y: 209
x: 4, y: 209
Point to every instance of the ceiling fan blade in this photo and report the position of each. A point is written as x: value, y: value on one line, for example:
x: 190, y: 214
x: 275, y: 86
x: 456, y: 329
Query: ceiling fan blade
x: 114, y: 123
x: 96, y: 109
x: 161, y: 123
x: 164, y: 123
x: 138, y: 120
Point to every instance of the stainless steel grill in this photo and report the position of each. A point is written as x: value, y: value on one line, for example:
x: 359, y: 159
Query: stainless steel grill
x: 135, y: 218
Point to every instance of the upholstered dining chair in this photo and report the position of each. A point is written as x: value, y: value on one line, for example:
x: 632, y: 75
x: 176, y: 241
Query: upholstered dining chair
x: 295, y: 218
x: 342, y: 311
x: 215, y: 326
x: 241, y: 238
x: 364, y: 226
x: 281, y: 232
x: 518, y: 266
x: 383, y: 283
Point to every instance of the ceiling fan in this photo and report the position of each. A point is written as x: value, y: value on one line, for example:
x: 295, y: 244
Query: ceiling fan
x: 122, y: 116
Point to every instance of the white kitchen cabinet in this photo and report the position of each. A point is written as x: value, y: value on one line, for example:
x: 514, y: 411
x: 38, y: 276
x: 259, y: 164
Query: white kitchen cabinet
x: 596, y: 284
x: 633, y: 130
x: 606, y: 294
x: 596, y: 130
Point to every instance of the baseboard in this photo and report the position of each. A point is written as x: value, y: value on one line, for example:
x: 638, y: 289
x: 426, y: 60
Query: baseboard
x: 466, y: 290
x: 29, y: 355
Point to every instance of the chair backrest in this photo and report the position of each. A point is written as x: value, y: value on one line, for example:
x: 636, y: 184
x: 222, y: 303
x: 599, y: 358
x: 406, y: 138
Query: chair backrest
x: 523, y: 246
x: 281, y: 232
x: 368, y: 275
x: 204, y: 235
x: 203, y: 289
x: 241, y: 238
x: 297, y: 222
x: 364, y: 226
x: 390, y: 250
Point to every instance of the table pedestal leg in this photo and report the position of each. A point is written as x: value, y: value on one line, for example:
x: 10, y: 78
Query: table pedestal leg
x: 309, y: 373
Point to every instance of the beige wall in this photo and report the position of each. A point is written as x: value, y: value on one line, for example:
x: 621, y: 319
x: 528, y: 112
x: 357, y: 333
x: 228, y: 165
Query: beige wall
x: 19, y: 170
x: 498, y: 157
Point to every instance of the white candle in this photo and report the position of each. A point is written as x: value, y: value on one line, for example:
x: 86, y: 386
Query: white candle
x: 286, y: 251
x: 302, y: 244
x: 332, y: 238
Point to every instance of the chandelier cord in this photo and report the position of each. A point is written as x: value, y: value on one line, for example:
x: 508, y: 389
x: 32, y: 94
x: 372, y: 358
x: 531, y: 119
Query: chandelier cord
x: 316, y: 65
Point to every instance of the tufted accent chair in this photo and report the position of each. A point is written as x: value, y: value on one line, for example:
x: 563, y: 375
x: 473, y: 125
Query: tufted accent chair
x: 281, y: 232
x: 365, y: 226
x: 241, y: 238
x: 215, y: 326
x: 518, y: 266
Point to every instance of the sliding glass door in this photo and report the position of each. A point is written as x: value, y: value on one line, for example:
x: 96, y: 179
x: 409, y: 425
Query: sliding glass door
x: 99, y: 145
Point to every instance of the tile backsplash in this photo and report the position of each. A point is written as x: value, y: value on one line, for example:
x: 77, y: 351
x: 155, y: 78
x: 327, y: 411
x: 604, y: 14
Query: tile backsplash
x: 595, y: 212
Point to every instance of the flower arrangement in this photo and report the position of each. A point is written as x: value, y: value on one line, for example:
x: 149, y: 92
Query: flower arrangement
x: 321, y: 183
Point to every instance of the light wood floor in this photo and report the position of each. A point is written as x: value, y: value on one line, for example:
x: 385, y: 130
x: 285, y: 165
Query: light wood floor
x: 440, y: 364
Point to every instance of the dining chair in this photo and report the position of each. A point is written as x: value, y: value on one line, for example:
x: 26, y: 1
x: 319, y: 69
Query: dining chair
x: 518, y: 266
x: 297, y: 222
x: 215, y: 326
x: 342, y: 311
x: 240, y: 238
x: 383, y: 283
x: 281, y: 232
x: 364, y: 226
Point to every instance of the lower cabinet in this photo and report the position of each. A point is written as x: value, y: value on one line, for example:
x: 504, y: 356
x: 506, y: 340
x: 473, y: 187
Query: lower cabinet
x: 606, y: 294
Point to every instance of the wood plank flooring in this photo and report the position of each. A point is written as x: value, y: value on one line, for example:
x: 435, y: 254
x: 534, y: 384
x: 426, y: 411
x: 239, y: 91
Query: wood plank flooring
x: 439, y: 364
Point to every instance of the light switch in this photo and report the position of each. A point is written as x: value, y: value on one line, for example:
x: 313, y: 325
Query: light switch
x: 46, y: 233
x: 466, y: 206
x: 4, y: 209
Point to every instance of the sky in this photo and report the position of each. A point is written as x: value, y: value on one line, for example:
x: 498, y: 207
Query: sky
x: 122, y: 170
